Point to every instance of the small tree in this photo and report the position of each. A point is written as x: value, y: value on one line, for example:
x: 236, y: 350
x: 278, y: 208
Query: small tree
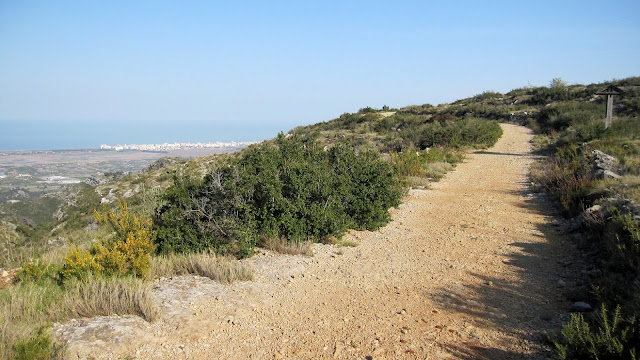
x: 557, y: 83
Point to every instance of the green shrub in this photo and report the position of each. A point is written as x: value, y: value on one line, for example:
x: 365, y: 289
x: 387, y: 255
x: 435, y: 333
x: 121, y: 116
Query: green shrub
x: 546, y: 95
x: 366, y: 187
x: 441, y: 154
x: 480, y: 133
x: 418, y: 109
x: 40, y: 347
x: 385, y: 125
x: 626, y: 245
x: 471, y: 132
x: 615, y: 337
x: 37, y: 271
x: 287, y: 188
x: 408, y: 163
x: 212, y: 213
x: 566, y: 175
x: 433, y: 163
x: 487, y: 95
x: 624, y: 128
x: 560, y: 116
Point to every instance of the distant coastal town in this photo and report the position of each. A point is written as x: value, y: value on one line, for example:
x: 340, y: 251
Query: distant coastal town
x: 177, y: 146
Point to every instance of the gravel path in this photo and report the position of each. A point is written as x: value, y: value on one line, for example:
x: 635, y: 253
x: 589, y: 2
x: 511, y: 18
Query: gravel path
x: 467, y: 270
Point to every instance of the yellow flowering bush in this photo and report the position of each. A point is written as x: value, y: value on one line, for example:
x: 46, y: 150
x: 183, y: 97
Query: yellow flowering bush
x: 128, y: 252
x: 78, y: 263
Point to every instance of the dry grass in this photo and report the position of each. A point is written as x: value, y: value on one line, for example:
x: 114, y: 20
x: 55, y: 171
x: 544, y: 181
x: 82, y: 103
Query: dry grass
x: 418, y: 182
x: 437, y: 170
x: 347, y: 243
x: 221, y: 269
x: 109, y: 296
x: 24, y: 310
x: 330, y: 240
x: 283, y: 246
x: 28, y: 308
x: 627, y: 187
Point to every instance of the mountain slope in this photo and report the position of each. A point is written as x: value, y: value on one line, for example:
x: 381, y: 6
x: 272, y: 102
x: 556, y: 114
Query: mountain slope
x: 467, y: 270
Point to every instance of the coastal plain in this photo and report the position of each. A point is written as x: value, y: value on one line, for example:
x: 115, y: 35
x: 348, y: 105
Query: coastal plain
x: 45, y: 170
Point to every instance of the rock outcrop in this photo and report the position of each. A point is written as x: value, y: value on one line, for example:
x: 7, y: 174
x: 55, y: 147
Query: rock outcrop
x: 604, y: 165
x: 93, y: 181
x: 7, y: 277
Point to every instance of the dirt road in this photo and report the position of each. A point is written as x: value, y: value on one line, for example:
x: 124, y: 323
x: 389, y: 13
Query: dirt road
x: 466, y: 270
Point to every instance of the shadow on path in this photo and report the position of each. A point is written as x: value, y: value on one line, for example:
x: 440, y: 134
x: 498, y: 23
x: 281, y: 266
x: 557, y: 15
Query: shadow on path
x: 484, y: 152
x: 522, y: 309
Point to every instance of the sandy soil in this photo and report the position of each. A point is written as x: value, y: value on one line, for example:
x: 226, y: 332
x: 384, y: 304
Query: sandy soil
x: 466, y: 270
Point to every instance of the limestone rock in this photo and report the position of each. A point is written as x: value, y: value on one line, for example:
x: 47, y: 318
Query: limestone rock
x: 604, y: 165
x: 580, y: 306
x: 606, y: 174
x: 93, y: 181
x: 7, y: 277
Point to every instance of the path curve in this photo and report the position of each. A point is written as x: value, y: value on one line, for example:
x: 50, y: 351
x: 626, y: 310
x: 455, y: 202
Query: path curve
x: 466, y: 270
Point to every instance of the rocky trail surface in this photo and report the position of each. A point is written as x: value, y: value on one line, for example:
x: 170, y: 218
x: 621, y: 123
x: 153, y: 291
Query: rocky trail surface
x: 466, y: 270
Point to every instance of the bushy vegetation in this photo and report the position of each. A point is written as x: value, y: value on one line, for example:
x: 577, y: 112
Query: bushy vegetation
x: 288, y: 188
x: 126, y: 253
x: 613, y: 337
x: 411, y: 127
x: 568, y: 176
x: 107, y: 278
x: 430, y: 163
x: 574, y: 125
x: 28, y: 308
x: 129, y: 251
x: 89, y: 283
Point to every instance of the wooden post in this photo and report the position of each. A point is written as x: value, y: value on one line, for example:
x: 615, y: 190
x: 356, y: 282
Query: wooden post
x: 609, y: 119
x: 610, y: 91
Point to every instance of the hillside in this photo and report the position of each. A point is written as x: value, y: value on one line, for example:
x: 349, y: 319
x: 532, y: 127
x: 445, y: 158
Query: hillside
x: 466, y: 270
x: 544, y: 109
x: 547, y: 110
x: 317, y: 182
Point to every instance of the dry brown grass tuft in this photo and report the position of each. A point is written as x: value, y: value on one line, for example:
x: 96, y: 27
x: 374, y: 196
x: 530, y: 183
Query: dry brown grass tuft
x: 347, y: 243
x: 437, y: 170
x: 108, y: 296
x: 28, y: 308
x: 283, y: 246
x: 22, y: 313
x: 221, y: 269
x: 418, y: 182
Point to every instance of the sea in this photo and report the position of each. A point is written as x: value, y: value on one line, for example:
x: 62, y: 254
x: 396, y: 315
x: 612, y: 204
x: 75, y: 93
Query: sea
x: 59, y: 135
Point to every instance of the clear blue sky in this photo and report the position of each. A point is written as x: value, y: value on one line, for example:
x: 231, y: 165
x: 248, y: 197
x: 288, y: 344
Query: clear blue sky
x: 272, y: 65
